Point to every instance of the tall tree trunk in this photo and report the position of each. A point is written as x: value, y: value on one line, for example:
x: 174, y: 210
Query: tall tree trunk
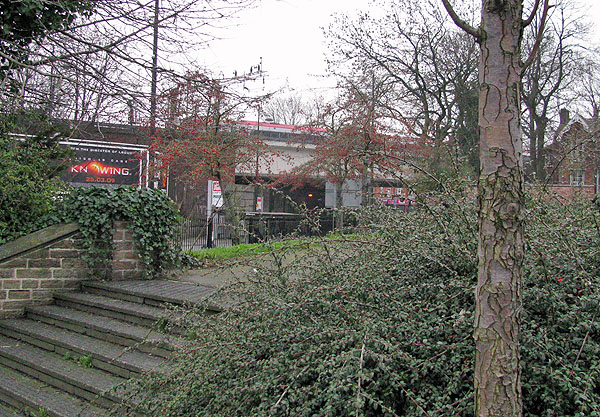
x: 154, y: 82
x: 500, y: 249
x: 366, y: 178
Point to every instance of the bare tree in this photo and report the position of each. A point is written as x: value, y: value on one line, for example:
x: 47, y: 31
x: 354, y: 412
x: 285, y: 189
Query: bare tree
x: 501, y: 218
x: 287, y: 110
x: 589, y: 86
x: 432, y: 63
x: 334, y: 155
x: 81, y: 89
x: 108, y: 54
x: 368, y: 101
x: 359, y: 143
x: 200, y: 140
x: 548, y: 84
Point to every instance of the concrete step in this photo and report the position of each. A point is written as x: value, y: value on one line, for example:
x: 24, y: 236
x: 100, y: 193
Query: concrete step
x: 152, y: 292
x: 116, y: 331
x: 25, y: 393
x: 104, y: 355
x: 98, y: 387
x: 114, y: 326
x: 9, y: 412
x: 128, y: 311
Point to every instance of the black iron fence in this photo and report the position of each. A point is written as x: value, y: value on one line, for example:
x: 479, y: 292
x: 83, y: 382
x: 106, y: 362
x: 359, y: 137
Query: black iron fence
x: 193, y: 234
x: 268, y: 226
x: 197, y: 234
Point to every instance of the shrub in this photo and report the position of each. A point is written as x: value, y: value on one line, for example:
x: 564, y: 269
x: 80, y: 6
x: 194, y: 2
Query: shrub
x: 30, y: 183
x: 382, y: 325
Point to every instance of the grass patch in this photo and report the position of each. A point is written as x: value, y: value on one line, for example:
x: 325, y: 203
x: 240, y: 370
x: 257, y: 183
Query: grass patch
x: 251, y: 249
x: 246, y: 249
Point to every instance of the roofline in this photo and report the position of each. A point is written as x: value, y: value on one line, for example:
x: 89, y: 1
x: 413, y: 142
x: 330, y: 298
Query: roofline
x: 309, y: 129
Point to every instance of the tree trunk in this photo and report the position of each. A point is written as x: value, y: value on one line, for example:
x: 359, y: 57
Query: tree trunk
x: 530, y: 130
x: 500, y: 249
x: 540, y: 162
x: 365, y: 201
x: 232, y: 213
x: 339, y: 205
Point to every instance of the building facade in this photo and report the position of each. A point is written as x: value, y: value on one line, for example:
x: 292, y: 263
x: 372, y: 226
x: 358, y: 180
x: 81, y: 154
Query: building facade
x: 573, y: 158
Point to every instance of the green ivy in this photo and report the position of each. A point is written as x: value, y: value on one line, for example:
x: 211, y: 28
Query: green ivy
x: 152, y: 217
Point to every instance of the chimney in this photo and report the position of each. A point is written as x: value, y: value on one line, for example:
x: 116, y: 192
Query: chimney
x: 564, y: 117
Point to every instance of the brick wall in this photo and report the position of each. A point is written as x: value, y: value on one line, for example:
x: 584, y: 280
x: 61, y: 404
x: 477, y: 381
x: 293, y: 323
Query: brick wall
x: 33, y: 267
x: 569, y: 192
x: 126, y: 263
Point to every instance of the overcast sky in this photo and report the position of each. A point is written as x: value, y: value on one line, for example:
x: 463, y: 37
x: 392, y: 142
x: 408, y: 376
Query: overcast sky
x: 287, y: 34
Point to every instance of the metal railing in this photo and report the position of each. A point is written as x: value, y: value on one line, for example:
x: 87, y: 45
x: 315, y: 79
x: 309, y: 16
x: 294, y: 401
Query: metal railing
x: 197, y: 234
x: 268, y: 226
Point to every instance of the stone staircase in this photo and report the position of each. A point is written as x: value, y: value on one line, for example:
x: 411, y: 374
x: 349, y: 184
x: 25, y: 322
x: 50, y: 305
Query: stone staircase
x: 74, y: 357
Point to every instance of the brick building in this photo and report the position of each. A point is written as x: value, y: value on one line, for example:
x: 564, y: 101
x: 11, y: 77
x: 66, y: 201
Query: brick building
x: 573, y: 158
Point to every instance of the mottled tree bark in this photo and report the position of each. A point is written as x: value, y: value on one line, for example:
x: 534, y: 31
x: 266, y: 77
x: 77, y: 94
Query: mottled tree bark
x: 500, y: 192
x: 500, y: 249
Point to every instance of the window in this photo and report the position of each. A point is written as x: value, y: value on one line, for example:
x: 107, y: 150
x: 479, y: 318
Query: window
x: 577, y: 177
x: 578, y: 152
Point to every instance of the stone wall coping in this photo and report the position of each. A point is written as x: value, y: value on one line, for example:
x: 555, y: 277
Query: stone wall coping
x: 576, y: 187
x: 36, y: 240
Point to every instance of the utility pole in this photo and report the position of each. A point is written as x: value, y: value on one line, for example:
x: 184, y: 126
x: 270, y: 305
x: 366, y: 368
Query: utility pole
x: 256, y: 187
x: 154, y: 69
x: 259, y: 71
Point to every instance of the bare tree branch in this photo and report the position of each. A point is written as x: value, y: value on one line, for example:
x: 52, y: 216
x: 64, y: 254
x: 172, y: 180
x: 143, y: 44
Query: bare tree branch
x: 104, y: 57
x: 538, y: 38
x: 476, y: 33
x: 528, y: 21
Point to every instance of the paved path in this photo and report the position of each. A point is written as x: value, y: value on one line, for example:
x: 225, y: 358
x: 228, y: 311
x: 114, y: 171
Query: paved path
x: 238, y: 269
x: 218, y: 276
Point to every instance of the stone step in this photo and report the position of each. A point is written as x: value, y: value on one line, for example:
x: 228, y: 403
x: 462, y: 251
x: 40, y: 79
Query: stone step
x: 91, y: 384
x: 103, y: 355
x: 155, y: 292
x: 9, y: 412
x: 128, y: 311
x: 25, y: 393
x: 116, y: 331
